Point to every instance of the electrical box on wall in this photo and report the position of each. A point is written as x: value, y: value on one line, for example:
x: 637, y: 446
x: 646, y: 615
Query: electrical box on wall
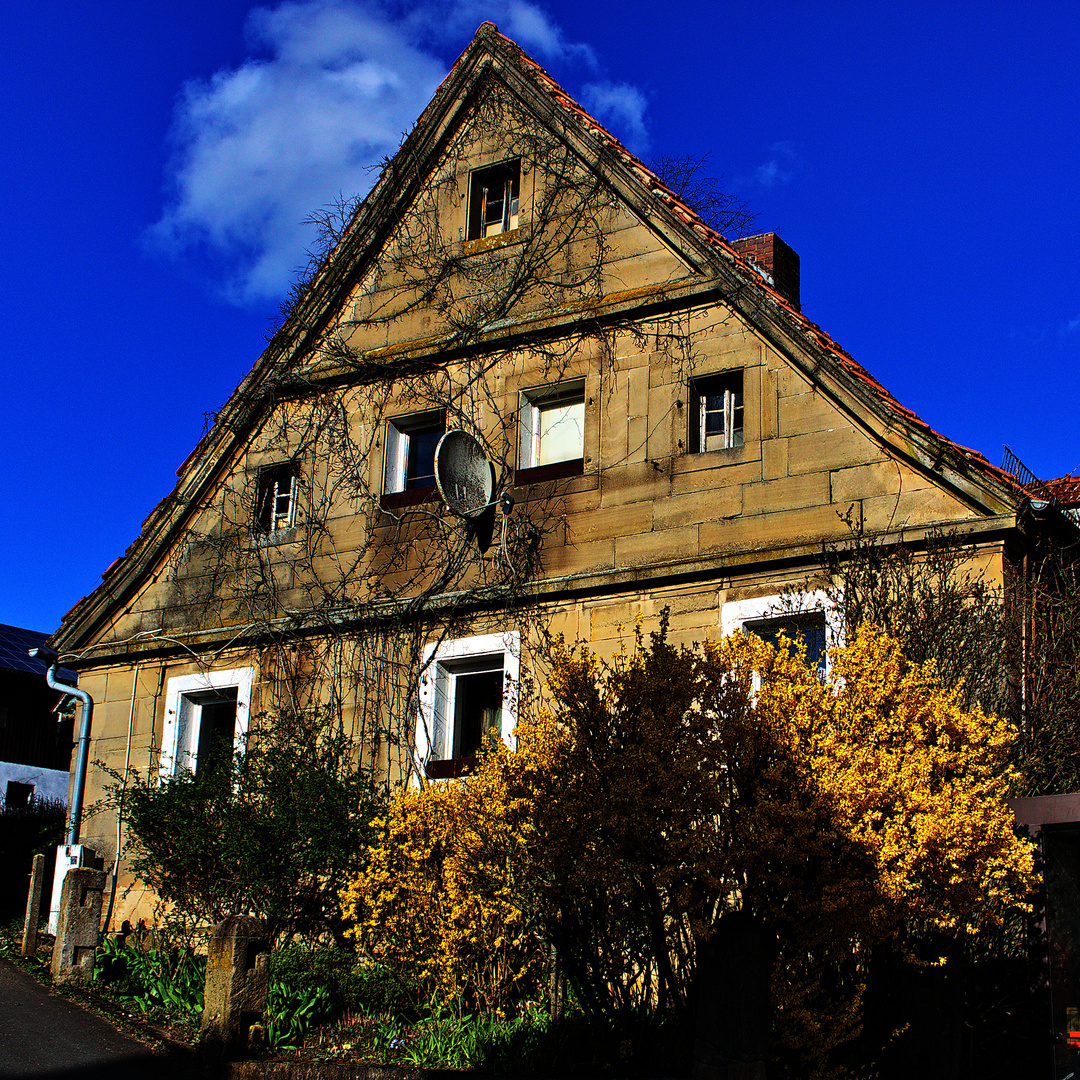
x: 68, y: 857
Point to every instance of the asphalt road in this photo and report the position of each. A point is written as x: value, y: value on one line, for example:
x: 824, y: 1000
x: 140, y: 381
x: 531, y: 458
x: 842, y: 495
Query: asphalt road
x: 46, y: 1036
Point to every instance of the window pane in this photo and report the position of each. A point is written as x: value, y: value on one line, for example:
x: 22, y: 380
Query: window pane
x: 217, y: 729
x: 477, y: 709
x: 714, y: 413
x: 420, y: 462
x: 562, y: 433
x: 808, y: 629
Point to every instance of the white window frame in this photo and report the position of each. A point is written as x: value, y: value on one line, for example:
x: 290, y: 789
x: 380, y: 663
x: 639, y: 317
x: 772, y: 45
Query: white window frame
x: 434, y: 728
x: 725, y: 380
x: 735, y: 614
x: 398, y: 433
x: 178, y: 694
x: 533, y: 404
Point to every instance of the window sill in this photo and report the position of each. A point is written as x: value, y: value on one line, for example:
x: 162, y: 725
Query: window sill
x: 451, y: 768
x: 558, y: 470
x: 398, y: 500
x: 490, y: 243
x: 278, y: 536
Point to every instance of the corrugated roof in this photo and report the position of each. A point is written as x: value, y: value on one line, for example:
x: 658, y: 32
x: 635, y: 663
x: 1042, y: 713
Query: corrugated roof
x: 15, y: 643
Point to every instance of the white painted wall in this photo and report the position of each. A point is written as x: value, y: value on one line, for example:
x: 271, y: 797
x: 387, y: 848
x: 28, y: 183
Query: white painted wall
x: 48, y: 783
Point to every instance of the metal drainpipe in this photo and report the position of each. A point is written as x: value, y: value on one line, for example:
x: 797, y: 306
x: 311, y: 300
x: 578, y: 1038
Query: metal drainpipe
x: 75, y: 815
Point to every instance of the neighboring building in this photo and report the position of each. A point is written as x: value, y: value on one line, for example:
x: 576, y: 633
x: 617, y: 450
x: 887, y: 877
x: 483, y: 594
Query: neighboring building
x: 35, y: 737
x: 674, y: 433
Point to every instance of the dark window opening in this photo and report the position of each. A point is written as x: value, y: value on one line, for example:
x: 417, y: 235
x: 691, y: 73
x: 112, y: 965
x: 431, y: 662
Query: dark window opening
x: 217, y: 728
x: 18, y: 795
x: 477, y: 709
x: 808, y: 629
x: 717, y: 417
x: 420, y: 460
x: 493, y: 200
x: 277, y: 490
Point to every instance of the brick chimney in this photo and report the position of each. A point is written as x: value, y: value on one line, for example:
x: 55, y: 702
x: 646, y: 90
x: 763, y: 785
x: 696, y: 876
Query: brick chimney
x: 776, y: 261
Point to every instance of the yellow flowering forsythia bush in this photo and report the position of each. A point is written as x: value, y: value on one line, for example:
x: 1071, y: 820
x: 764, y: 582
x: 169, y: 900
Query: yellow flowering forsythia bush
x: 670, y: 787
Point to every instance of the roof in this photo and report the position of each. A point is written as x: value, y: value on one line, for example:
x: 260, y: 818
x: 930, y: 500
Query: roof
x: 15, y: 643
x: 1065, y: 489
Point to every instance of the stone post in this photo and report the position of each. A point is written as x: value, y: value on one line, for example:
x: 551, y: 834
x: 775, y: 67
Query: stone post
x: 33, y: 907
x: 237, y: 976
x: 78, y: 926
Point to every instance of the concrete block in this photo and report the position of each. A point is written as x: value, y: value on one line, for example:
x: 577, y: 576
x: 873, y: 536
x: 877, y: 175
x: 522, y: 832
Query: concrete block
x: 637, y: 439
x: 774, y: 458
x: 866, y: 481
x: 722, y: 501
x: 579, y: 558
x: 789, y: 382
x: 717, y: 468
x: 641, y: 482
x: 786, y: 493
x: 237, y: 977
x: 653, y: 547
x: 924, y: 506
x: 637, y: 380
x: 836, y: 449
x: 78, y: 925
x: 611, y: 521
x: 764, y: 531
x: 768, y: 403
x: 33, y: 907
x: 613, y: 425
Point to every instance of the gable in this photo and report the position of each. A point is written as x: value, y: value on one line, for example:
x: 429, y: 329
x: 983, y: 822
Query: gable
x: 597, y: 279
x: 443, y: 279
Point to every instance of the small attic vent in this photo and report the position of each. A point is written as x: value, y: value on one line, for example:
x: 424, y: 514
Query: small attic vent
x: 776, y: 261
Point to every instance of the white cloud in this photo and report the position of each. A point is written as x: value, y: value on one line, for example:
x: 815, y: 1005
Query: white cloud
x: 620, y: 107
x: 326, y: 91
x: 781, y: 166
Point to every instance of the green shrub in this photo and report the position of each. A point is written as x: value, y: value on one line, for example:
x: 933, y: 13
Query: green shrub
x: 352, y: 984
x: 153, y: 980
x: 293, y: 1011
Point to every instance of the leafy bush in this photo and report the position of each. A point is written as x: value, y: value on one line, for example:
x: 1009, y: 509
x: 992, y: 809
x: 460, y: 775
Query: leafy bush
x: 153, y: 980
x: 170, y: 983
x: 293, y: 1011
x: 352, y: 984
x: 677, y: 795
x: 275, y: 832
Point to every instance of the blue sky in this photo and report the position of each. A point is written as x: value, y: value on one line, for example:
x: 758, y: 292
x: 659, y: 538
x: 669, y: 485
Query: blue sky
x: 923, y: 159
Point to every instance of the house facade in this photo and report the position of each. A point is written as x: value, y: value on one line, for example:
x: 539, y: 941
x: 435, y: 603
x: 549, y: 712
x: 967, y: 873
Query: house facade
x: 663, y: 429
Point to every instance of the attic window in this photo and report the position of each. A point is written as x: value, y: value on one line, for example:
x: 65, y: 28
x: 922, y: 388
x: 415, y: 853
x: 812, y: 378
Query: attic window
x: 276, y: 506
x: 717, y: 419
x: 493, y: 199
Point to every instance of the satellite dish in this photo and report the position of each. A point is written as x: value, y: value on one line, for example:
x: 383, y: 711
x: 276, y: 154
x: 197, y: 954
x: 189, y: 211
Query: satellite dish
x: 463, y: 473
